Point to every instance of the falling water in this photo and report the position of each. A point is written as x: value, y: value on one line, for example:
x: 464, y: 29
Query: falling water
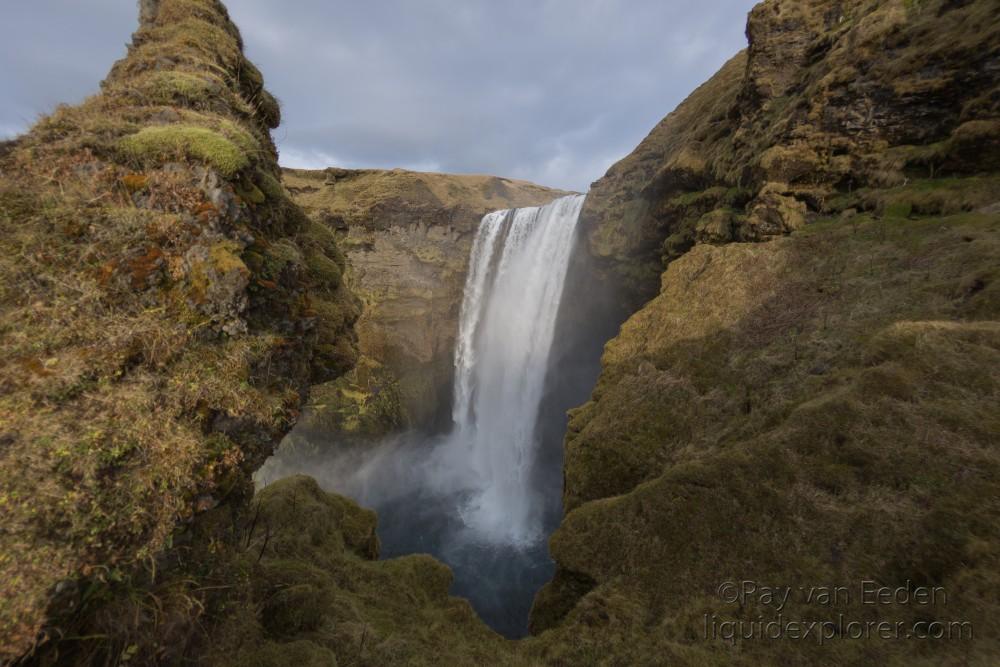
x: 515, y: 282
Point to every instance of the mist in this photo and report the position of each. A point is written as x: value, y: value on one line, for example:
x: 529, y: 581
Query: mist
x: 484, y: 496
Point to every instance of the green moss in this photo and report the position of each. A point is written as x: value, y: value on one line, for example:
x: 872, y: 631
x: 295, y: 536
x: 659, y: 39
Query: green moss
x: 325, y: 270
x: 270, y: 186
x: 268, y: 108
x: 239, y: 136
x: 249, y: 192
x: 172, y: 87
x: 161, y: 144
x: 203, y: 37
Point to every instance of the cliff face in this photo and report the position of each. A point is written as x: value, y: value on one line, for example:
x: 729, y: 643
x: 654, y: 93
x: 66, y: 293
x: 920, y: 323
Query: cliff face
x: 829, y: 98
x: 160, y: 308
x: 406, y: 237
x: 817, y: 410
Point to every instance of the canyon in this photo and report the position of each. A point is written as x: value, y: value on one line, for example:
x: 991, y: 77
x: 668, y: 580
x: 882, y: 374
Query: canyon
x: 793, y: 278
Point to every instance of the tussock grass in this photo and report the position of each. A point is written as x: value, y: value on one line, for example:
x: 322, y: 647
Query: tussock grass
x: 146, y: 370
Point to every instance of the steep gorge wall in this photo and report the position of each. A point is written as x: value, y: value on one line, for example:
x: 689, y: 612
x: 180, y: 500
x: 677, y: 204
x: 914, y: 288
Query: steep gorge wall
x: 814, y: 410
x: 829, y: 98
x: 406, y: 237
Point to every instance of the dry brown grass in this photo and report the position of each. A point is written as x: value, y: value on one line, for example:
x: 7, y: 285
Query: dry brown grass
x: 146, y: 372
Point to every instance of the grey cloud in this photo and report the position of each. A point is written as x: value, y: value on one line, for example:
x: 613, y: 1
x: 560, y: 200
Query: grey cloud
x: 549, y: 90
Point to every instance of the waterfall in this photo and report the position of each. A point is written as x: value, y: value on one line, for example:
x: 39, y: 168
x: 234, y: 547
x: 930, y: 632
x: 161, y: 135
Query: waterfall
x: 517, y: 270
x: 482, y: 497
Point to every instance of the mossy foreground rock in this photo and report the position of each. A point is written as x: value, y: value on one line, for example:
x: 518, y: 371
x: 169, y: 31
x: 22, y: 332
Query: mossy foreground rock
x: 315, y: 592
x: 161, y: 320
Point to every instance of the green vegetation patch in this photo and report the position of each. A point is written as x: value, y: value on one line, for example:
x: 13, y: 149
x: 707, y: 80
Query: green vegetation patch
x: 170, y: 87
x: 159, y: 144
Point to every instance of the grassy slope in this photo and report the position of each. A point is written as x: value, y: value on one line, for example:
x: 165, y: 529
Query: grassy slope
x: 818, y: 409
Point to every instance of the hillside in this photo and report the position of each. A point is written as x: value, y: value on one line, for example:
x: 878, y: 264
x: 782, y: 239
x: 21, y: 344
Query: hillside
x: 816, y: 410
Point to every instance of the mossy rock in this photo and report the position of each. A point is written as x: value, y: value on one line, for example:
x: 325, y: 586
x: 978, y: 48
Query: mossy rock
x: 296, y: 597
x: 717, y: 226
x: 171, y: 87
x: 153, y: 145
x: 327, y: 523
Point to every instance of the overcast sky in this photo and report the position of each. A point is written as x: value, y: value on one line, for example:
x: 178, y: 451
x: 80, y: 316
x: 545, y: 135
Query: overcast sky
x: 553, y: 91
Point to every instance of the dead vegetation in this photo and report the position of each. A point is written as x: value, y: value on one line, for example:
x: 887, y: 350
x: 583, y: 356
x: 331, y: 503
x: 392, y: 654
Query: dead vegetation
x: 155, y: 346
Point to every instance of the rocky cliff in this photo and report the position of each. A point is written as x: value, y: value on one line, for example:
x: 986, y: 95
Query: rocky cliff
x: 816, y: 410
x: 406, y: 237
x: 830, y: 98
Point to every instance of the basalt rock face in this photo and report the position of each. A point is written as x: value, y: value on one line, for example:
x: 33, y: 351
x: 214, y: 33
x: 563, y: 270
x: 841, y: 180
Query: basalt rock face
x: 817, y: 409
x: 406, y: 237
x: 165, y: 309
x: 829, y: 97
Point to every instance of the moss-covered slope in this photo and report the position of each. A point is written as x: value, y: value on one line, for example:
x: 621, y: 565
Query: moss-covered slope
x: 814, y: 411
x: 817, y: 410
x: 159, y: 320
x: 407, y: 237
x: 308, y: 590
x: 829, y: 97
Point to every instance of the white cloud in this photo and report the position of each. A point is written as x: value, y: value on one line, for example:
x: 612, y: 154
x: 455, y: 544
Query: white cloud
x: 306, y: 159
x: 549, y: 90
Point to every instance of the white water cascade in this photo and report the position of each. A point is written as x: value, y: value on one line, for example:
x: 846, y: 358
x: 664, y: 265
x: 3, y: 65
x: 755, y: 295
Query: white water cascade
x: 483, y: 496
x: 517, y: 271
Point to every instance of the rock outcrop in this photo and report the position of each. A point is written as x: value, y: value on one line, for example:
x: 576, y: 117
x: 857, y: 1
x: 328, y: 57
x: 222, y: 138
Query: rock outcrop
x: 406, y: 237
x: 829, y: 98
x: 165, y: 308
